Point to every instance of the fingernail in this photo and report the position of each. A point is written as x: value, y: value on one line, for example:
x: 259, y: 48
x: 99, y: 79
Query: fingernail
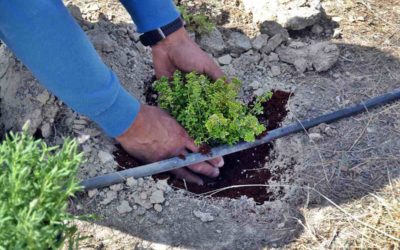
x: 216, y: 172
x: 221, y: 163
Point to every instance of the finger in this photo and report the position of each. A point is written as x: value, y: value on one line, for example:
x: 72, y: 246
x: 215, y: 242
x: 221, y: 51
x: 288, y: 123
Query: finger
x: 186, y: 175
x: 216, y: 162
x: 212, y: 69
x: 205, y: 168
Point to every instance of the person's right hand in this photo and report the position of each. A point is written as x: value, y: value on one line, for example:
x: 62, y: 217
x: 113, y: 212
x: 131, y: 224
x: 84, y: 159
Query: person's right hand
x: 155, y: 136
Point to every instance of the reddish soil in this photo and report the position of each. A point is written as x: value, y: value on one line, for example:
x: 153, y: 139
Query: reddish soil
x: 242, y: 168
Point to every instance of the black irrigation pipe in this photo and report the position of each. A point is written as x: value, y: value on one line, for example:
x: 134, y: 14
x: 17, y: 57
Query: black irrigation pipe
x: 176, y: 162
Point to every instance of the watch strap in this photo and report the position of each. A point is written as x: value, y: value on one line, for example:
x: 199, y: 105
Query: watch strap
x: 152, y: 37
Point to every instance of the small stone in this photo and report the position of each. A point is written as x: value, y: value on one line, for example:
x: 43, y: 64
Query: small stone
x: 158, y: 207
x: 204, y: 217
x: 43, y: 97
x: 124, y: 207
x: 255, y: 85
x: 315, y: 137
x: 259, y: 92
x: 143, y: 203
x: 275, y: 70
x: 157, y: 197
x: 140, y: 182
x: 131, y: 182
x: 78, y: 127
x: 344, y: 168
x: 281, y: 225
x: 46, y: 130
x: 337, y: 33
x: 225, y: 60
x: 103, y: 42
x: 81, y: 122
x: 141, y: 211
x: 163, y: 185
x: 93, y: 192
x: 273, y: 57
x: 317, y: 29
x: 105, y: 157
x: 260, y: 41
x: 123, y: 59
x: 83, y: 138
x: 297, y: 44
x: 218, y: 231
x: 274, y: 42
x: 143, y: 195
x: 110, y: 196
x: 117, y: 187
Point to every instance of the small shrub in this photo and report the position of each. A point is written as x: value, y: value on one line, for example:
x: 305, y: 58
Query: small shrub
x: 198, y: 23
x: 210, y: 111
x: 36, y: 182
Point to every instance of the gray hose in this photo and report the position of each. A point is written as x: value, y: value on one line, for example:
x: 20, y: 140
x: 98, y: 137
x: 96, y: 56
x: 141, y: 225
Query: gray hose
x: 176, y: 162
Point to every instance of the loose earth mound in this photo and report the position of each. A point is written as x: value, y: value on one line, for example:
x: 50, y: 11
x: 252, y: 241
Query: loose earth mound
x: 241, y: 168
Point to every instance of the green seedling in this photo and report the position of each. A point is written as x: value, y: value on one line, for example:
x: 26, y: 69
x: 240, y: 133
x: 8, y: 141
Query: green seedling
x: 198, y: 23
x: 36, y: 182
x: 211, y: 112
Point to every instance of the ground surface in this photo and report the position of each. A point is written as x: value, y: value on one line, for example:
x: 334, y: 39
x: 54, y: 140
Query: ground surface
x: 344, y: 161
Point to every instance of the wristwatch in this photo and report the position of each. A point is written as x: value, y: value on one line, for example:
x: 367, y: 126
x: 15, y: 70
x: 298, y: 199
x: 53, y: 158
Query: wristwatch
x: 152, y: 37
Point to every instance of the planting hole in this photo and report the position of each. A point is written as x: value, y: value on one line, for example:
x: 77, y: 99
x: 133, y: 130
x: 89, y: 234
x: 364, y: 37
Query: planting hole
x: 242, y: 168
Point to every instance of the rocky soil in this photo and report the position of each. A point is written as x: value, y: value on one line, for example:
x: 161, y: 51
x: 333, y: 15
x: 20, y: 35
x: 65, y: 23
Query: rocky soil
x: 328, y: 58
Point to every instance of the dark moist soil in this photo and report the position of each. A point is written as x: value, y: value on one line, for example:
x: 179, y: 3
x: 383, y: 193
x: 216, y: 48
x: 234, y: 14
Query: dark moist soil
x: 242, y: 168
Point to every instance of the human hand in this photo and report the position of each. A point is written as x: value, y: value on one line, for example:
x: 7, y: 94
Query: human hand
x: 179, y: 52
x: 155, y: 136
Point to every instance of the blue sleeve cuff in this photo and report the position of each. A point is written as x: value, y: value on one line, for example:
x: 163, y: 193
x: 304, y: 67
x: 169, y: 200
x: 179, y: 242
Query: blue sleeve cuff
x: 118, y: 117
x: 151, y: 14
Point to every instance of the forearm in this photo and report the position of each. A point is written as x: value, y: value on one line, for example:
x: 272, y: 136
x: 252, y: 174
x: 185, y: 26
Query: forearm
x: 151, y: 14
x: 48, y: 41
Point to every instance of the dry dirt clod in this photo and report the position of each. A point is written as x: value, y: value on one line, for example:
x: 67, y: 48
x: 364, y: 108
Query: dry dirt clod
x: 260, y: 41
x: 275, y: 70
x: 124, y: 207
x: 92, y: 193
x: 225, y: 60
x: 274, y: 42
x: 105, y: 157
x: 158, y: 208
x: 157, y: 197
x: 204, y: 217
x: 131, y: 182
x: 110, y: 196
x: 117, y: 187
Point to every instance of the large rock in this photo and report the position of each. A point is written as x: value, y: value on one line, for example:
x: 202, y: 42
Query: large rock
x: 292, y: 15
x: 212, y: 42
x: 239, y: 43
x: 320, y: 56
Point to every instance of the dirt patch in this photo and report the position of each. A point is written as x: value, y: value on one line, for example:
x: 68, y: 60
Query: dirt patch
x: 242, y: 168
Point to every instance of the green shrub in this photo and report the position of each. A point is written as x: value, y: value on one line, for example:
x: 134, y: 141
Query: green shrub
x: 210, y: 111
x: 35, y: 184
x: 198, y: 23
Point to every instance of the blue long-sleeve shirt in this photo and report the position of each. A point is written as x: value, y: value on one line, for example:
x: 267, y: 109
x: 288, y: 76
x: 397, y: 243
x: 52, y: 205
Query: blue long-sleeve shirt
x: 45, y: 37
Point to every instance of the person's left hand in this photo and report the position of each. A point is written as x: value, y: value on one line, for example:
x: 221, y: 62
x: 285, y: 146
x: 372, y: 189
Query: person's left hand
x: 179, y: 52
